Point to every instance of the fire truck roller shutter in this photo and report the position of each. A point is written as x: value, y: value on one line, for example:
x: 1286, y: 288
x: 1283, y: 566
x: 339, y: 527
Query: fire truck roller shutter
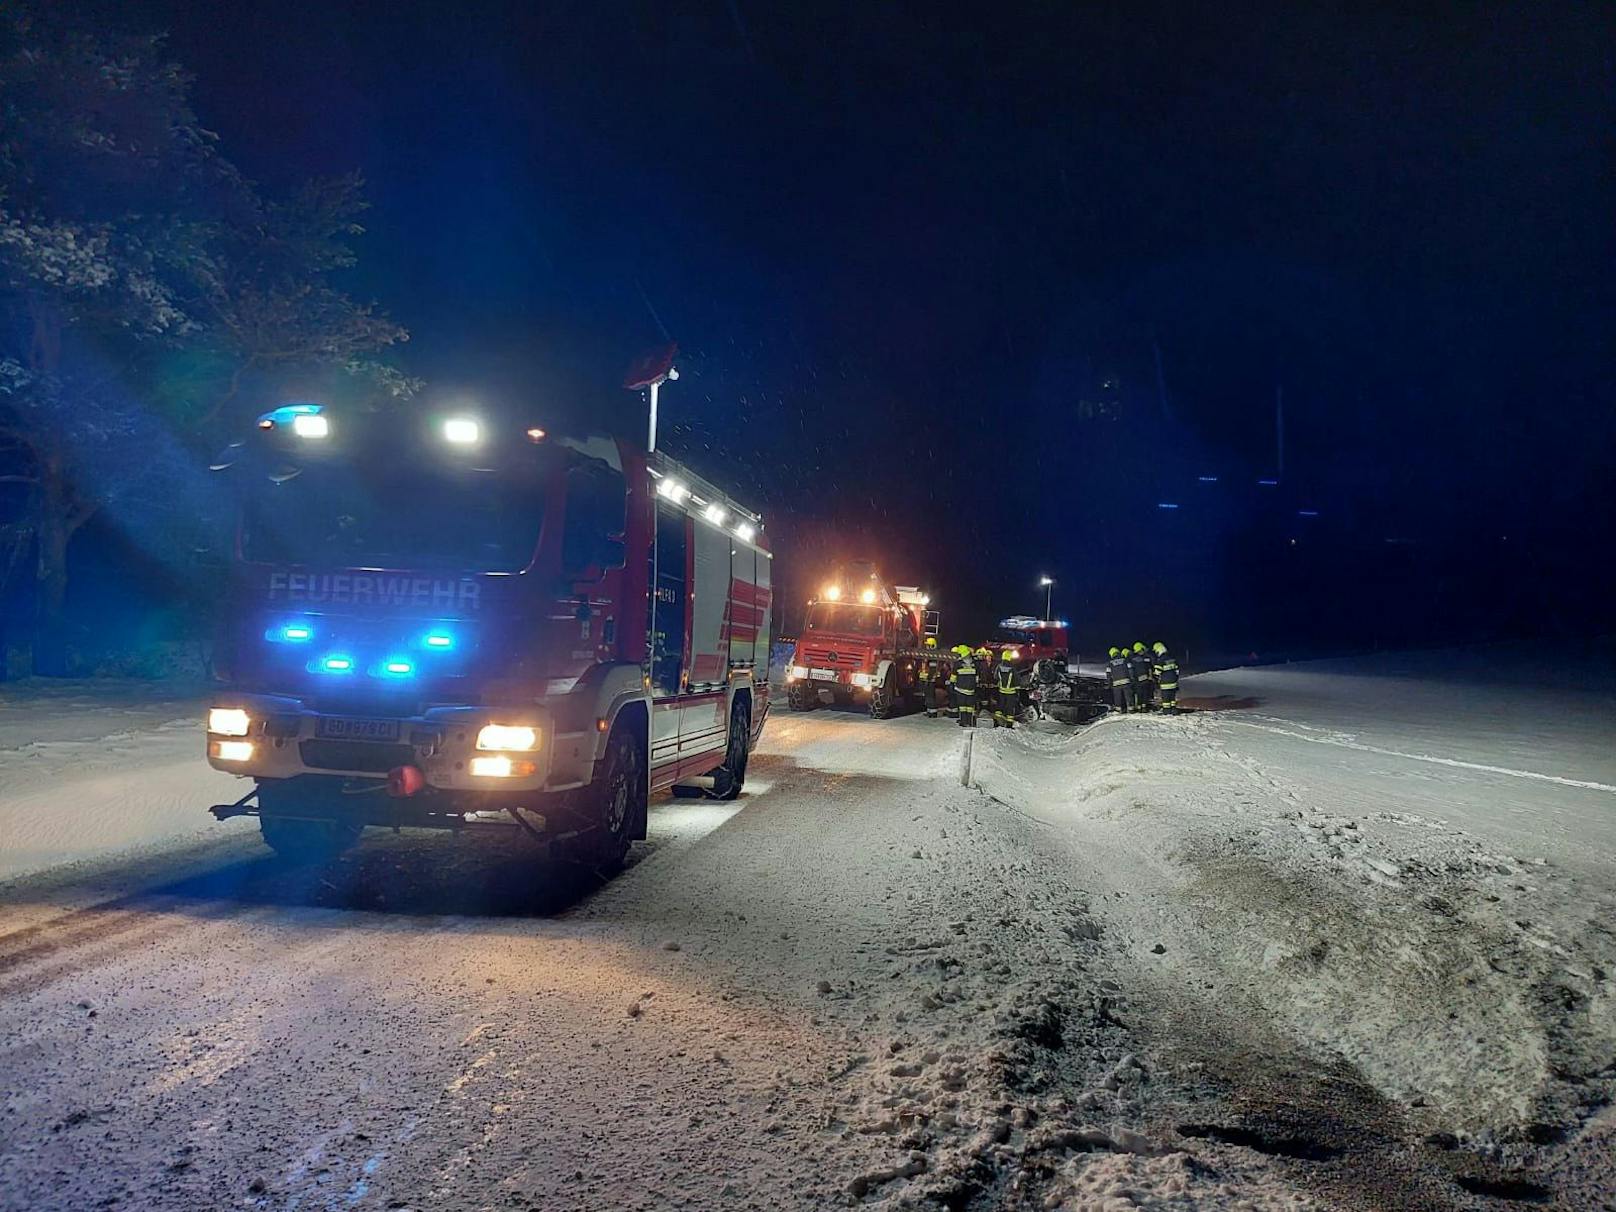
x: 704, y: 706
x: 740, y: 625
x: 709, y: 590
x: 765, y: 613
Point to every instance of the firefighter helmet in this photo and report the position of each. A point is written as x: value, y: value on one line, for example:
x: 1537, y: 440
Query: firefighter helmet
x: 931, y: 641
x: 1159, y: 648
x: 1115, y: 651
x: 983, y: 653
x: 1138, y: 646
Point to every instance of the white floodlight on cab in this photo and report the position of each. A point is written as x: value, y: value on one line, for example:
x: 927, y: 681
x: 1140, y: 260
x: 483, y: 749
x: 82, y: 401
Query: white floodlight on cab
x: 745, y: 532
x: 715, y: 513
x: 311, y: 425
x: 462, y: 431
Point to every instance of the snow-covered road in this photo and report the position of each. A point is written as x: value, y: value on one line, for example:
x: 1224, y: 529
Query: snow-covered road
x: 1280, y: 954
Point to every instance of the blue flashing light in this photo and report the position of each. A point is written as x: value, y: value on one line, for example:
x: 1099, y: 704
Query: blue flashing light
x: 440, y: 640
x: 1166, y: 505
x: 286, y: 414
x: 397, y: 667
x: 1207, y: 479
x: 1268, y: 483
x: 1307, y: 513
x: 297, y: 632
x: 337, y: 663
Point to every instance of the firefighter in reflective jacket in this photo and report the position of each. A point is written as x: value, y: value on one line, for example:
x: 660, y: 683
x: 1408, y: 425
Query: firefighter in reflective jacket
x: 1008, y: 705
x: 1144, y: 679
x: 926, y: 676
x: 964, y: 684
x: 1166, y: 669
x: 1120, y: 679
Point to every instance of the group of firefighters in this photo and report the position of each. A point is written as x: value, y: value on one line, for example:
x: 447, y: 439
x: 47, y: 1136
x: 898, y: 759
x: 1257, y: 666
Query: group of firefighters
x: 1139, y: 681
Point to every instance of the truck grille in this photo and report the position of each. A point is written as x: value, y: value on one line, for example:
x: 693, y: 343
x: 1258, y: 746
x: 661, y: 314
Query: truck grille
x: 826, y: 657
x: 372, y: 756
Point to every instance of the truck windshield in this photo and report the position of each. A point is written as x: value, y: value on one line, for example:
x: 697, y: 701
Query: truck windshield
x: 398, y: 517
x: 844, y: 618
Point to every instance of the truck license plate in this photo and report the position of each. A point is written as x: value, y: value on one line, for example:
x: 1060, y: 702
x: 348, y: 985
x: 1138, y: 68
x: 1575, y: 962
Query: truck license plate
x: 338, y: 729
x: 824, y: 675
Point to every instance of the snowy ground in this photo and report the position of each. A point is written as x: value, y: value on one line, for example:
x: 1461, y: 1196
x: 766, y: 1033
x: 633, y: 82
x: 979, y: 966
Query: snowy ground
x: 1341, y: 939
x: 93, y: 769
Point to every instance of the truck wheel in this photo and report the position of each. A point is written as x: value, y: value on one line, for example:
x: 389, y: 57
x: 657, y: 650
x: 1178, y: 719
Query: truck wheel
x: 800, y: 697
x: 290, y: 820
x: 619, y: 798
x: 729, y: 778
x: 883, y: 699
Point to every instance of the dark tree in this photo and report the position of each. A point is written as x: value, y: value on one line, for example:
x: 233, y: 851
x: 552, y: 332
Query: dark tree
x: 143, y: 281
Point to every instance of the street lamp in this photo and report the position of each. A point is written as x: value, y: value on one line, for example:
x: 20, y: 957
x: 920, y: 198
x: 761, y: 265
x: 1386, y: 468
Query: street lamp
x: 1049, y: 594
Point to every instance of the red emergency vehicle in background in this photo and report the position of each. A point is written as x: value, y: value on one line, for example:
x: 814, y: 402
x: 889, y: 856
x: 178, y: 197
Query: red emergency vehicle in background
x: 465, y: 619
x: 1027, y: 640
x: 860, y: 642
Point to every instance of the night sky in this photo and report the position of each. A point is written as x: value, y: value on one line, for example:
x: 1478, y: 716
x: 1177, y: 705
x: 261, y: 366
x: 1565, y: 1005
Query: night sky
x: 975, y: 290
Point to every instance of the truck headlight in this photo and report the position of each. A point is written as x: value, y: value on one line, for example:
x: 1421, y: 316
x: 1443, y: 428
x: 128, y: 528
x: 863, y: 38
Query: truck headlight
x: 229, y: 721
x: 796, y: 672
x: 233, y: 751
x: 864, y: 679
x: 514, y: 738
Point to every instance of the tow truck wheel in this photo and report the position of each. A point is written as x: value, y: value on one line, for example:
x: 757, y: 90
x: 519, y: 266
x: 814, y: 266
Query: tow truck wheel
x: 728, y: 778
x: 620, y: 798
x: 290, y: 822
x: 884, y: 698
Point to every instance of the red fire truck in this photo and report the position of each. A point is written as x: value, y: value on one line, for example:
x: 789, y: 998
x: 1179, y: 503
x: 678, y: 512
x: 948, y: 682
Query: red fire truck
x: 860, y: 643
x: 465, y: 619
x: 1028, y: 640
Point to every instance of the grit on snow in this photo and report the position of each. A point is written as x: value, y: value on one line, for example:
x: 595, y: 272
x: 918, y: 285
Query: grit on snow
x: 1343, y: 937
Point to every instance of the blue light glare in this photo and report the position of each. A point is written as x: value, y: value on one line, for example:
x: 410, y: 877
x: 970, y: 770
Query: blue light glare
x: 1307, y: 513
x: 1166, y: 505
x: 397, y: 667
x: 286, y: 414
x: 1207, y: 479
x: 337, y: 663
x: 441, y: 640
x: 297, y: 632
x: 1268, y: 483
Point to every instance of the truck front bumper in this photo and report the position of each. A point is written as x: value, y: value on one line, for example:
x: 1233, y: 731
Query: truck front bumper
x: 284, y: 738
x: 836, y: 681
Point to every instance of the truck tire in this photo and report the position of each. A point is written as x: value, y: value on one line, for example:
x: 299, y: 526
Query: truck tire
x: 884, y: 698
x: 293, y: 823
x: 801, y: 697
x: 729, y: 778
x: 619, y: 798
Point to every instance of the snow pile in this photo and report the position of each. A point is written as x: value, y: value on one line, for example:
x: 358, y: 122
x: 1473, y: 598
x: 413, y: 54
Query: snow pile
x: 1328, y: 898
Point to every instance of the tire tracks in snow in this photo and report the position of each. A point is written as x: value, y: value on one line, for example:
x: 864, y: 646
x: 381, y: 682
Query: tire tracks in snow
x: 1301, y: 732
